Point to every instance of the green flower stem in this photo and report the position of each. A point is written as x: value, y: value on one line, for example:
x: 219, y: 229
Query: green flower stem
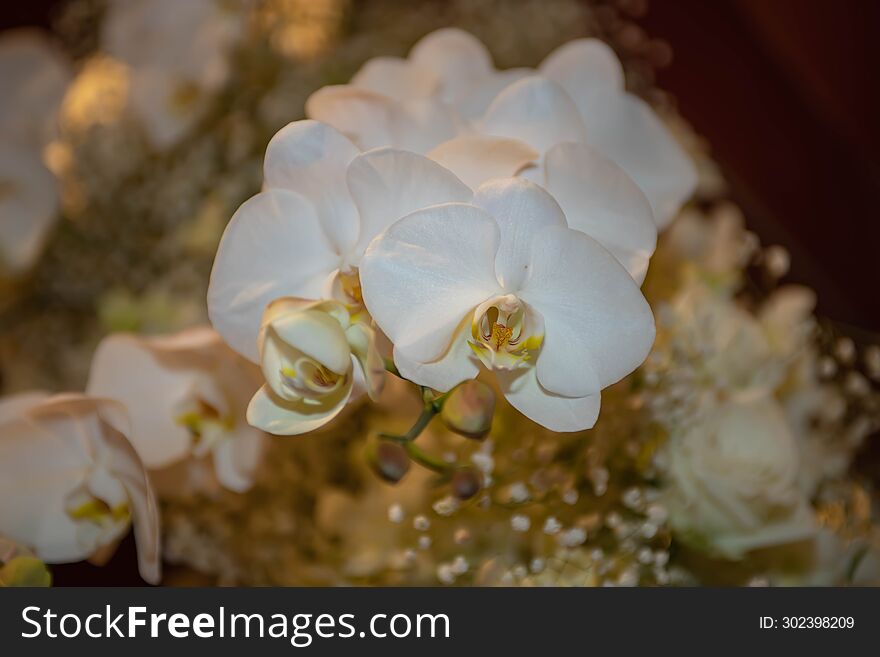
x: 415, y: 431
x: 433, y: 404
x: 426, y: 460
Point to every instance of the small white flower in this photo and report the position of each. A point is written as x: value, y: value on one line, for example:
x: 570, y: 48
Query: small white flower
x: 309, y: 352
x: 304, y: 235
x: 70, y: 481
x: 448, y: 89
x: 732, y: 480
x: 503, y: 281
x: 186, y: 395
x: 177, y: 54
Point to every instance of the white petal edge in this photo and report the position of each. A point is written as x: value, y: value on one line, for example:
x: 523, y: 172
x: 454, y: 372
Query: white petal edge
x: 273, y: 247
x: 311, y: 158
x: 426, y: 272
x: 282, y: 418
x: 601, y: 200
x: 388, y: 184
x: 626, y: 129
x: 396, y: 78
x: 478, y: 158
x: 537, y: 111
x: 564, y: 414
x: 594, y: 313
x: 456, y: 365
x: 125, y: 368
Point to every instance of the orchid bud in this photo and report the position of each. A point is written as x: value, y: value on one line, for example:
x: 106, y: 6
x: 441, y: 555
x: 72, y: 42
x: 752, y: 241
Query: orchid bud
x: 25, y: 571
x: 469, y: 408
x: 466, y: 482
x: 389, y: 460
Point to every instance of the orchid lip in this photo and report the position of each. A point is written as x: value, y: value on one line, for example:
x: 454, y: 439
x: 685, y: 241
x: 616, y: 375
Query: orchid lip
x: 310, y: 380
x: 505, y: 333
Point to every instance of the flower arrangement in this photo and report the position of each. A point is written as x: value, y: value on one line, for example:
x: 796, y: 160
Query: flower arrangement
x: 467, y: 325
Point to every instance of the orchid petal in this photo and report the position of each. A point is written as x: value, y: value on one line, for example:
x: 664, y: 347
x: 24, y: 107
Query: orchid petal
x: 125, y: 368
x: 387, y: 185
x: 599, y: 199
x: 372, y: 120
x: 236, y: 460
x: 594, y: 313
x: 274, y: 246
x: 396, y: 78
x: 28, y: 205
x: 523, y: 211
x: 316, y: 334
x: 455, y: 56
x: 524, y: 392
x: 426, y: 272
x: 290, y: 418
x: 584, y: 65
x: 13, y: 406
x: 443, y: 374
x: 362, y: 340
x: 127, y: 466
x: 625, y: 129
x: 476, y: 158
x: 39, y: 468
x: 537, y: 111
x: 473, y: 100
x: 310, y: 158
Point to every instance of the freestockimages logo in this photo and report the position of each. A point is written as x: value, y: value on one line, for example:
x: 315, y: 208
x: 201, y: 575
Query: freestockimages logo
x: 136, y: 622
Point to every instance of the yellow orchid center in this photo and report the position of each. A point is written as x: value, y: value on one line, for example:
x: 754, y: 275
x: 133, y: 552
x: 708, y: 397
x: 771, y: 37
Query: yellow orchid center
x: 350, y: 285
x: 504, y: 334
x: 309, y: 379
x: 85, y: 507
x: 205, y: 423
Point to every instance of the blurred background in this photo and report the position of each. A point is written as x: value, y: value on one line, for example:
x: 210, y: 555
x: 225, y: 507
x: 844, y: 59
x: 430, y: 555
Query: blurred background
x: 786, y: 95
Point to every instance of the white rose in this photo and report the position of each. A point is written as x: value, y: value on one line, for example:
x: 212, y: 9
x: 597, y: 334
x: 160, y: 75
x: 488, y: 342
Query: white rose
x: 732, y: 481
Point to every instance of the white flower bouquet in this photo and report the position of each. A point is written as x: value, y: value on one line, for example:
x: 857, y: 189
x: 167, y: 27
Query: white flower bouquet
x: 467, y: 325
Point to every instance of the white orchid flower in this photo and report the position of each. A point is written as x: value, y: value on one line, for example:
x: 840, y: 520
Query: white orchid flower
x: 313, y: 354
x: 304, y: 234
x: 71, y: 483
x: 33, y: 79
x: 578, y: 95
x: 503, y: 281
x: 28, y: 206
x: 597, y: 196
x: 177, y: 54
x: 186, y: 394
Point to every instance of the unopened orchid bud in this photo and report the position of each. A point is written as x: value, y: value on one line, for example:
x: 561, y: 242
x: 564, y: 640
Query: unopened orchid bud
x: 466, y: 482
x: 389, y: 460
x: 469, y: 409
x: 25, y: 571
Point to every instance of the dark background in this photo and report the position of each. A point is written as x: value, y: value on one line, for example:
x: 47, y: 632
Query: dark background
x: 786, y: 92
